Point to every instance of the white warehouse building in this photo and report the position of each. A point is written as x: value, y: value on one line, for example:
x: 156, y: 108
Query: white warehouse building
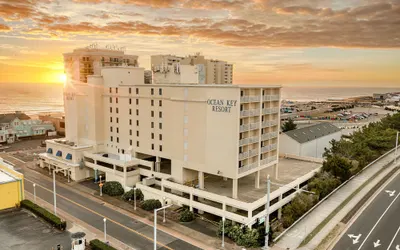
x: 309, y: 141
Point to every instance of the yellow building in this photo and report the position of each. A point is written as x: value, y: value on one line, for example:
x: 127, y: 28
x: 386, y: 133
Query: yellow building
x: 11, y: 186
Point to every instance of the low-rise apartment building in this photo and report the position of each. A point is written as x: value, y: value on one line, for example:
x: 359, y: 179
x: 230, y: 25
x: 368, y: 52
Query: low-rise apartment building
x: 58, y: 121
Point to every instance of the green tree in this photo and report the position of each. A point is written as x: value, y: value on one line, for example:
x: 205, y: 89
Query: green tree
x: 289, y: 125
x: 338, y: 166
x: 323, y: 183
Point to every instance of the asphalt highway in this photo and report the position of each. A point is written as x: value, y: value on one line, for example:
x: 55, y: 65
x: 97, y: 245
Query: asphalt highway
x: 121, y: 227
x: 378, y: 226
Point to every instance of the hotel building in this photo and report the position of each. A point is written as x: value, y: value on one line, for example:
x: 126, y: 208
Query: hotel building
x: 190, y: 69
x: 166, y: 139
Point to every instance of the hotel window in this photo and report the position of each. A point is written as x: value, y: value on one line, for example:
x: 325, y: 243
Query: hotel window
x: 117, y: 120
x: 137, y: 101
x: 152, y: 102
x: 130, y: 121
x: 152, y: 113
x: 110, y: 119
x: 137, y: 122
x: 110, y: 109
x: 123, y: 151
x: 137, y: 143
x: 152, y: 124
x: 116, y: 90
x: 137, y: 111
x: 110, y: 90
x: 160, y: 91
x: 110, y: 129
x: 130, y: 101
x: 160, y: 148
x: 110, y: 99
x: 117, y: 139
x: 160, y: 114
x: 160, y: 137
x: 111, y: 138
x: 130, y: 131
x: 160, y: 103
x: 130, y: 91
x: 116, y: 110
x: 152, y: 146
x: 130, y: 142
x: 185, y: 119
x: 152, y: 91
x: 116, y: 99
x: 185, y: 145
x: 117, y: 130
x: 130, y: 111
x: 160, y: 125
x: 137, y: 91
x: 152, y: 135
x: 137, y: 133
x: 241, y: 93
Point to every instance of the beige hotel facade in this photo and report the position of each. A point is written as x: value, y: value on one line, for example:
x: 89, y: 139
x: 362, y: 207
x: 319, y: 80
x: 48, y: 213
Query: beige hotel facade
x: 166, y: 138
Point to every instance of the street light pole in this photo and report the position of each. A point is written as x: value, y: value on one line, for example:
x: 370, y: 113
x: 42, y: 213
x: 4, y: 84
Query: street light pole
x: 267, y: 214
x: 223, y: 232
x: 163, y: 209
x: 397, y: 145
x: 101, y: 187
x: 155, y: 223
x: 105, y: 230
x: 134, y: 198
x: 54, y: 192
x: 34, y: 192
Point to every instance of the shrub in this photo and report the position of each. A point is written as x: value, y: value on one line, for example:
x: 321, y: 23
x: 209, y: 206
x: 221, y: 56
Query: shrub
x: 323, y: 183
x: 297, y: 207
x: 113, y: 188
x: 186, y: 216
x: 242, y: 235
x: 99, y: 245
x: 41, y: 212
x: 130, y: 195
x: 151, y: 204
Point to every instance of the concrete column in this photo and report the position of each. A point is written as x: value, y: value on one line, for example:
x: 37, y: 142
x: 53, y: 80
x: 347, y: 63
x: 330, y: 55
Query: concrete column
x: 234, y: 188
x: 190, y: 202
x: 125, y: 177
x: 276, y: 169
x: 158, y: 162
x: 201, y: 180
x: 257, y: 179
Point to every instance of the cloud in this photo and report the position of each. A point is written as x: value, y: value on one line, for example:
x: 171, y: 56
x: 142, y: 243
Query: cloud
x: 5, y: 28
x: 152, y: 3
x: 101, y: 16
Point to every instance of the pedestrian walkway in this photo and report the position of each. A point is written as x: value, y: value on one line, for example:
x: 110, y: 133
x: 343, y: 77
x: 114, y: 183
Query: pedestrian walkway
x: 293, y: 238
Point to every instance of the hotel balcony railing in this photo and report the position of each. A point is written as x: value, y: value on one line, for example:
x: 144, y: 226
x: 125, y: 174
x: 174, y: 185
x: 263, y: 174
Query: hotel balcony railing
x: 266, y: 111
x: 266, y: 98
x: 251, y: 112
x: 274, y: 97
x: 253, y: 152
x: 267, y: 160
x: 268, y: 148
x: 244, y: 99
x: 265, y: 124
x: 274, y: 110
x: 255, y: 125
x: 243, y: 155
x: 247, y: 127
x: 244, y: 127
x: 249, y: 140
x: 248, y: 167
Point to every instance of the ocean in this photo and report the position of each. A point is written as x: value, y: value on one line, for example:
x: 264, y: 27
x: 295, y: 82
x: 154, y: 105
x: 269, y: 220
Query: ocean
x: 34, y: 98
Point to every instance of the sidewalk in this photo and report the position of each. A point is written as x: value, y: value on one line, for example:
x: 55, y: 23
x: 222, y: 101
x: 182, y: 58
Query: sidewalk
x: 171, y: 227
x: 293, y: 238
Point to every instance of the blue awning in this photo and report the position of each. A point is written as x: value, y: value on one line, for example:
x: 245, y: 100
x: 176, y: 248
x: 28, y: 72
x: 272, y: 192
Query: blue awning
x: 59, y: 153
x: 50, y: 150
x: 68, y: 157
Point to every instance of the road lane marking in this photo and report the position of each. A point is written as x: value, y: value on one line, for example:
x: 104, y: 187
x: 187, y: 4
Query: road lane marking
x: 15, y: 158
x: 387, y: 209
x: 355, y: 238
x: 90, y: 210
x: 394, y: 237
x: 377, y: 243
x: 391, y: 193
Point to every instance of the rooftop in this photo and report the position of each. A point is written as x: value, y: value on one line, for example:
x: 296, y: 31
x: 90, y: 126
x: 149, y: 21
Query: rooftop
x: 7, y: 118
x: 5, y: 177
x: 313, y: 132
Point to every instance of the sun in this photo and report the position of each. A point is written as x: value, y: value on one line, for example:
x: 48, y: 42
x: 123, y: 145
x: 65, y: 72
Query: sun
x: 62, y: 78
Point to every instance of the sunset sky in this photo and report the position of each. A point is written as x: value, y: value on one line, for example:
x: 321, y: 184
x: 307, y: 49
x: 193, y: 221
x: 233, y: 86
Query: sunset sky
x: 305, y: 42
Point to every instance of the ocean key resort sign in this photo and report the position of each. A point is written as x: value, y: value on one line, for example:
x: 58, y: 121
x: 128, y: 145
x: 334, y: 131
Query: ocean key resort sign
x: 219, y: 105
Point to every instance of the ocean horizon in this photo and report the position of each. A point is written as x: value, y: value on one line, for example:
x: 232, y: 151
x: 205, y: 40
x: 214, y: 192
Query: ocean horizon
x: 33, y: 99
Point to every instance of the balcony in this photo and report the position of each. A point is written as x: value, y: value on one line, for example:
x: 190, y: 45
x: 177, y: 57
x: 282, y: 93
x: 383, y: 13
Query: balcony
x: 268, y: 148
x: 266, y: 98
x: 248, y: 167
x: 274, y: 110
x: 265, y: 137
x: 244, y: 99
x: 265, y: 124
x: 251, y: 112
x: 253, y: 152
x: 274, y: 97
x: 267, y: 160
x: 266, y: 111
x: 243, y: 156
x: 255, y: 125
x: 244, y: 127
x: 249, y: 140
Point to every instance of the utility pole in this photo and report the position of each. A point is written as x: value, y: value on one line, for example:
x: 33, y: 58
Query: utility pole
x: 267, y: 214
x: 54, y: 192
x: 134, y: 198
x: 155, y: 223
x: 105, y: 230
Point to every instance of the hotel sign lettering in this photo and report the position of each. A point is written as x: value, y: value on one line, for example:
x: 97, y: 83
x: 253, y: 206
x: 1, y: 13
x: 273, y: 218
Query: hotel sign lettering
x: 219, y: 105
x: 69, y: 96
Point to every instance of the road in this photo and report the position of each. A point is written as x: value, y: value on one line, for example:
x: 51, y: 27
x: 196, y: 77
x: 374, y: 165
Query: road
x: 378, y: 226
x: 123, y: 228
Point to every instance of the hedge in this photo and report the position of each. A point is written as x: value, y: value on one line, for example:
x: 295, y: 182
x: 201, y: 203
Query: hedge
x: 151, y: 204
x: 41, y: 212
x: 131, y: 193
x: 186, y: 216
x: 99, y: 245
x: 113, y: 188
